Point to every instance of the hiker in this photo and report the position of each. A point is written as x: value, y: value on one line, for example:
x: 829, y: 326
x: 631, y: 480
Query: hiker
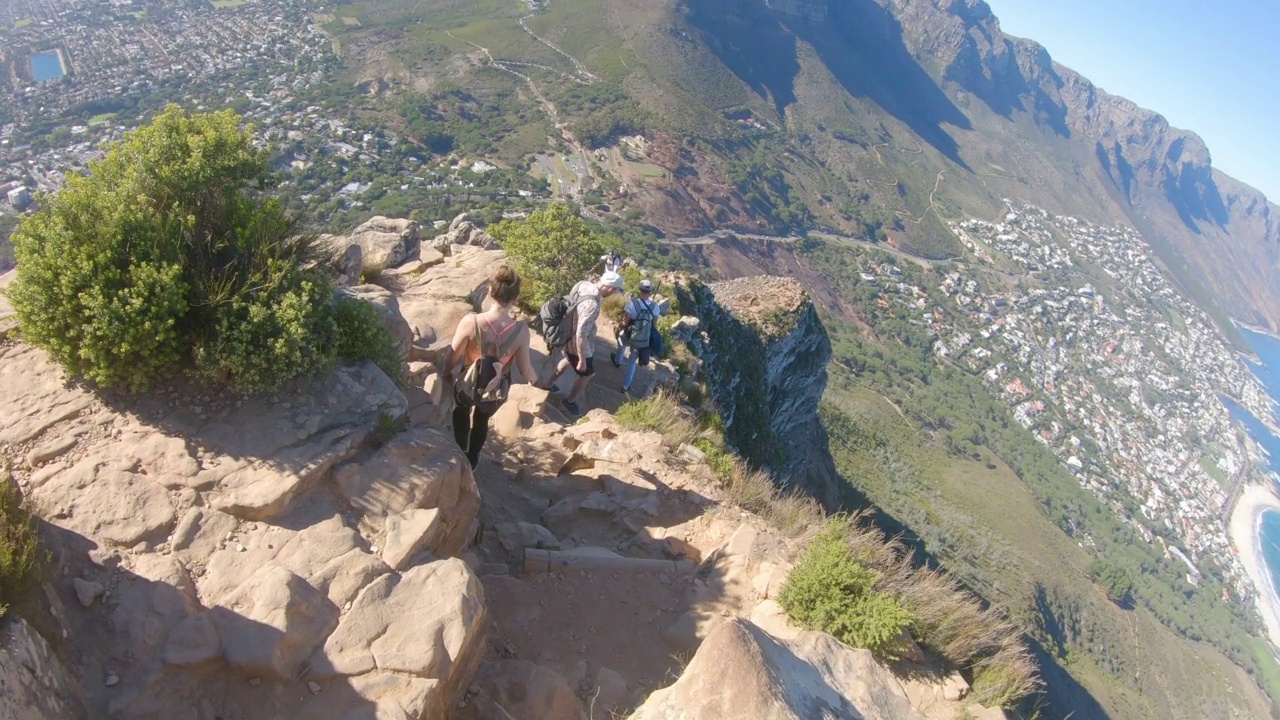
x: 578, y: 351
x: 612, y: 261
x: 635, y: 341
x: 492, y: 340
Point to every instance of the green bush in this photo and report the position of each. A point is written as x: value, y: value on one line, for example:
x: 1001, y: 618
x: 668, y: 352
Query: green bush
x: 362, y: 336
x: 552, y: 250
x: 166, y: 254
x: 830, y: 591
x: 19, y: 546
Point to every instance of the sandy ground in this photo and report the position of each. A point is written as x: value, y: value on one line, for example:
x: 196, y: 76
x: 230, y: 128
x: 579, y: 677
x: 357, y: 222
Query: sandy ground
x: 1244, y: 535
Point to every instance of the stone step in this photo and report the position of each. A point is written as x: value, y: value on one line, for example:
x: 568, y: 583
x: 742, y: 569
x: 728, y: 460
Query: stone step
x: 538, y: 561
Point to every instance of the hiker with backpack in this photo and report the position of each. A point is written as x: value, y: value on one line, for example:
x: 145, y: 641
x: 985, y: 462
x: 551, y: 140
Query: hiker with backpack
x: 570, y: 324
x: 636, y: 341
x: 488, y: 344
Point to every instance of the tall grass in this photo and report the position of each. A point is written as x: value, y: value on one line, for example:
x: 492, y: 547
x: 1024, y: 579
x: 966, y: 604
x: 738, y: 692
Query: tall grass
x: 948, y: 621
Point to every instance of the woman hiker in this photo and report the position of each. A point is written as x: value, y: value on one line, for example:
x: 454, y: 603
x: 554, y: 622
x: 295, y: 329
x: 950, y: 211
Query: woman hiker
x: 489, y: 329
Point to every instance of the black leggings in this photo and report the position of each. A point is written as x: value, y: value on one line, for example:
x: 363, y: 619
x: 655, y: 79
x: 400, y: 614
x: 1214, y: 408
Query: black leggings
x: 470, y: 428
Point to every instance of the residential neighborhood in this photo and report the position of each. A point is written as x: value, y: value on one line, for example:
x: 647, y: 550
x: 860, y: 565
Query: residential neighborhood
x: 1127, y: 382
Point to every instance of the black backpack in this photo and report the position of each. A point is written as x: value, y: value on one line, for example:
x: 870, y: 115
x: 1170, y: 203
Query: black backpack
x: 552, y: 316
x: 469, y: 391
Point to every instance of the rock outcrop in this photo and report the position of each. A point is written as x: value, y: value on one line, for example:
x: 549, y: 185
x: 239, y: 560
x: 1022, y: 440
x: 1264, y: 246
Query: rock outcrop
x: 306, y: 554
x: 385, y: 242
x: 462, y: 231
x: 740, y: 671
x: 766, y: 362
x: 33, y: 683
x: 244, y: 556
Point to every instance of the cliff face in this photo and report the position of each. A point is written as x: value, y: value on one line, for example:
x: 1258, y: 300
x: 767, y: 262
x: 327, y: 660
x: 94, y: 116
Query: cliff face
x: 767, y: 367
x: 1161, y: 178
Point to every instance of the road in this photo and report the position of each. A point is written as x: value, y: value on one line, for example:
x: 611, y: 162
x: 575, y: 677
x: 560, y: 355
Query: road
x: 712, y: 238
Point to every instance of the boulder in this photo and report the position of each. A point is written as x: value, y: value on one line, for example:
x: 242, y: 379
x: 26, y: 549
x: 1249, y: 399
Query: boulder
x: 609, y: 694
x: 147, y: 603
x: 272, y: 623
x: 409, y: 532
x: 462, y: 231
x: 515, y: 537
x: 193, y: 641
x: 740, y: 671
x: 388, y: 308
x: 427, y: 622
x: 419, y: 468
x: 435, y: 300
x: 521, y: 689
x: 342, y: 256
x: 385, y: 242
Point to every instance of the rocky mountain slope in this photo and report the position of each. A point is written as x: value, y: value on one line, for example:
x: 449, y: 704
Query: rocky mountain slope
x: 326, y: 551
x: 876, y: 117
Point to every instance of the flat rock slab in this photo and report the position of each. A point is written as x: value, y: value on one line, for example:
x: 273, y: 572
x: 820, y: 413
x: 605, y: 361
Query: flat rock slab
x: 106, y: 501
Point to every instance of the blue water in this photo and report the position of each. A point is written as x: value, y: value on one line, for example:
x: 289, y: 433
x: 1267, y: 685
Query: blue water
x: 1267, y: 349
x: 45, y: 66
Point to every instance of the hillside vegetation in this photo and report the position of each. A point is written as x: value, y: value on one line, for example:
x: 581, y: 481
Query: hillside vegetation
x: 166, y: 256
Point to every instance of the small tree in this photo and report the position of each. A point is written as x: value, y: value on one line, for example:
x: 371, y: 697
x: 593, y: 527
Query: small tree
x: 552, y: 250
x: 1113, y: 579
x: 168, y: 252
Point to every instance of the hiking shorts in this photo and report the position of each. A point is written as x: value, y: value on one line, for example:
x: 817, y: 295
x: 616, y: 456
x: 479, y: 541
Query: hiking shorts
x: 573, y: 363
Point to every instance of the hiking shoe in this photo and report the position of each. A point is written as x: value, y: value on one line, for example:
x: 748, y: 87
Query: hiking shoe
x: 573, y: 407
x: 614, y: 357
x: 555, y: 389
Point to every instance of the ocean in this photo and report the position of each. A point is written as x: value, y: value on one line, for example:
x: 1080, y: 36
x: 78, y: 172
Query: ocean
x: 1267, y: 370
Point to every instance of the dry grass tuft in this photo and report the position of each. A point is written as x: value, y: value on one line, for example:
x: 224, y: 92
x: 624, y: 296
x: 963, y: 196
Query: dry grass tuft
x: 949, y: 621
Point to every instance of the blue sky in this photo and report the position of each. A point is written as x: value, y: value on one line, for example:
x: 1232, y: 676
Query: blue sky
x: 1212, y: 67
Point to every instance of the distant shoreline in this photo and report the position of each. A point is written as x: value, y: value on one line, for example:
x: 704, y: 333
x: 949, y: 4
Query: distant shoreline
x: 1245, y: 530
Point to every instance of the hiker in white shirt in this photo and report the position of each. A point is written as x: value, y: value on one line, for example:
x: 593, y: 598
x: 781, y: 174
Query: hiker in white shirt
x: 639, y: 322
x: 580, y: 349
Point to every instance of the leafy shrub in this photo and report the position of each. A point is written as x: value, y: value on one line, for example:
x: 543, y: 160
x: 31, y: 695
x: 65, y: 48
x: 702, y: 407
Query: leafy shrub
x: 362, y: 336
x: 260, y: 341
x: 721, y: 461
x: 830, y: 591
x: 19, y: 546
x: 552, y: 250
x: 164, y: 254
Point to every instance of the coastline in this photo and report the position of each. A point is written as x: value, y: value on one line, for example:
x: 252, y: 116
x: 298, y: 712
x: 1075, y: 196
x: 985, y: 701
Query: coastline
x: 1243, y: 528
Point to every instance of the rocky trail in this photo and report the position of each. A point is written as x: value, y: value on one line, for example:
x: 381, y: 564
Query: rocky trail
x: 326, y: 552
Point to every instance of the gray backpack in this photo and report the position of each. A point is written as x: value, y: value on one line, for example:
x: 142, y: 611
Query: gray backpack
x: 641, y: 327
x: 552, y: 317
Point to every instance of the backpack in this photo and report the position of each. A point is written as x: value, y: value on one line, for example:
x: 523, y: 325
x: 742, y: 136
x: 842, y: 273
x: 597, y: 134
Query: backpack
x: 552, y: 316
x: 641, y: 329
x: 470, y: 390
